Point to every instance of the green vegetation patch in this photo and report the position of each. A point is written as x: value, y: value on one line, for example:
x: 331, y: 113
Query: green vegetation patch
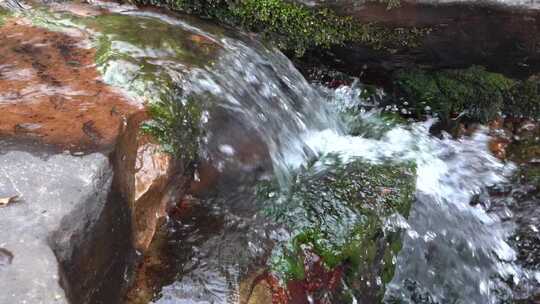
x: 390, y: 4
x: 524, y: 100
x: 524, y: 150
x: 337, y: 211
x: 4, y: 14
x: 177, y: 125
x: 474, y: 92
x: 372, y: 125
x: 150, y: 59
x: 296, y: 28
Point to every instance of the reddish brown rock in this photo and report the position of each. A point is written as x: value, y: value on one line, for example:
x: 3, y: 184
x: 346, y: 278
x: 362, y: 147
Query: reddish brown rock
x: 498, y: 146
x: 147, y: 178
x: 501, y: 35
x: 50, y: 90
x: 256, y: 289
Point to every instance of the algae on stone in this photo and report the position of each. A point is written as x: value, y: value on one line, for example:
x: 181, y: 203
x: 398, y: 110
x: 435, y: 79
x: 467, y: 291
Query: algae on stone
x: 473, y: 92
x: 296, y: 28
x: 151, y: 59
x: 338, y: 212
x: 372, y: 125
x: 390, y: 4
x: 178, y: 127
x: 524, y: 100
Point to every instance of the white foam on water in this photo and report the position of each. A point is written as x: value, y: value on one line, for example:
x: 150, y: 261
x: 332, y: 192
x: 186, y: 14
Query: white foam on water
x: 456, y: 251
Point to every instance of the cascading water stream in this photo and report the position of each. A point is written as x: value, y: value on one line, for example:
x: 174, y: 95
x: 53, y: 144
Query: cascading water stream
x: 452, y: 252
x: 264, y: 89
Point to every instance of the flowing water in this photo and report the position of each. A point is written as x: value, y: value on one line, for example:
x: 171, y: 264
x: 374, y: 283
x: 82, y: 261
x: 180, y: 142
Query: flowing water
x: 263, y: 121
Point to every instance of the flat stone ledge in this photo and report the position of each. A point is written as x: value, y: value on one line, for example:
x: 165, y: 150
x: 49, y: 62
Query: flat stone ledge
x: 51, y: 187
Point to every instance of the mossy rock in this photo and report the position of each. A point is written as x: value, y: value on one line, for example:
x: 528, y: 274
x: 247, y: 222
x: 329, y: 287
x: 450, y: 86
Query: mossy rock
x: 524, y: 100
x: 374, y: 125
x: 4, y: 14
x: 525, y: 151
x: 295, y: 28
x: 338, y: 211
x: 150, y: 59
x: 473, y: 93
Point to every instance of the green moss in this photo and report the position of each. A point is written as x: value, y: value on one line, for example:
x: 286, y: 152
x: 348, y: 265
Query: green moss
x: 524, y: 100
x: 474, y: 92
x: 522, y: 150
x: 338, y: 212
x: 4, y: 14
x: 295, y: 28
x: 177, y: 126
x: 145, y: 39
x: 530, y: 175
x: 374, y: 125
x: 148, y: 58
x: 390, y: 4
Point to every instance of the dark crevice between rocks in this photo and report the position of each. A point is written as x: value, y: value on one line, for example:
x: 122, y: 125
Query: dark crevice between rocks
x: 101, y: 247
x: 94, y: 248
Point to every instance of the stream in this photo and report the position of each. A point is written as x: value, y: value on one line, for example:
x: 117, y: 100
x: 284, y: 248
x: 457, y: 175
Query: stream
x: 302, y: 193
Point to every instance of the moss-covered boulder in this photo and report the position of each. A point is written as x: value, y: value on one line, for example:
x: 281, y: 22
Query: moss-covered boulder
x: 149, y: 58
x: 337, y: 213
x: 474, y: 93
x: 524, y: 150
x: 369, y: 37
x: 294, y: 27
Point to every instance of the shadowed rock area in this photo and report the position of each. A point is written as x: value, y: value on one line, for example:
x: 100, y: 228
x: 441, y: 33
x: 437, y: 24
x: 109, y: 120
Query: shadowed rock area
x: 501, y: 35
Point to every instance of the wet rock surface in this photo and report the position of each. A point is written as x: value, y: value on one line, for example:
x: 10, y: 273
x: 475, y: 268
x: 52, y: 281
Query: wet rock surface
x: 501, y: 35
x: 52, y: 187
x: 195, y: 230
x: 148, y: 179
x: 66, y: 234
x: 51, y: 90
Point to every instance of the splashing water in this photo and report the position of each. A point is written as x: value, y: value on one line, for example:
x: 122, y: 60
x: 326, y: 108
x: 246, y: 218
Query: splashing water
x: 452, y: 252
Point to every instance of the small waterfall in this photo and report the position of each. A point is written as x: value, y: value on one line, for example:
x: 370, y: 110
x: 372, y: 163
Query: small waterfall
x: 261, y: 87
x: 453, y: 252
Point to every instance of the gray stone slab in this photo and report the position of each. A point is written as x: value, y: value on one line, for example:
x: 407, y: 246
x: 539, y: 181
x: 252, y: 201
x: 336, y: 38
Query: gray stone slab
x: 51, y: 187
